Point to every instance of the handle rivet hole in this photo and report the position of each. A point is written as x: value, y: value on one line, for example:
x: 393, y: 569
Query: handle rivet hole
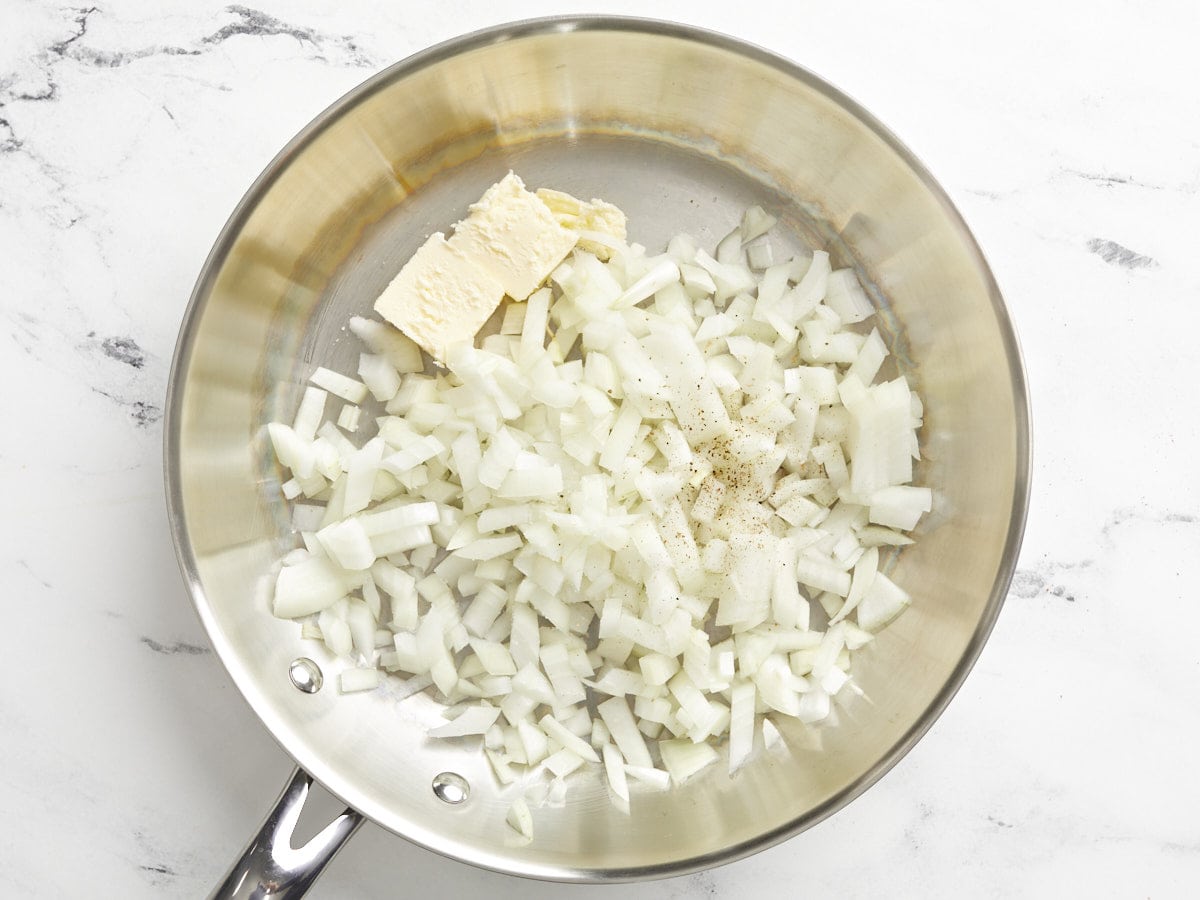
x: 306, y: 675
x: 451, y: 788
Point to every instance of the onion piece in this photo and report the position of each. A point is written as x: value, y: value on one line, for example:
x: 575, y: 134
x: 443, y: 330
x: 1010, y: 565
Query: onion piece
x: 359, y: 484
x: 292, y: 451
x: 614, y: 768
x: 616, y: 715
x: 741, y: 724
x: 520, y: 819
x: 360, y: 679
x: 555, y: 729
x: 759, y: 256
x: 563, y: 762
x: 347, y: 544
x: 349, y: 418
x: 663, y: 273
x: 347, y: 388
x: 756, y: 222
x: 473, y: 720
x: 402, y: 353
x: 309, y: 587
x: 900, y: 506
x: 684, y: 759
x: 881, y: 603
x: 772, y: 739
x: 309, y: 413
x: 845, y: 296
x: 652, y: 778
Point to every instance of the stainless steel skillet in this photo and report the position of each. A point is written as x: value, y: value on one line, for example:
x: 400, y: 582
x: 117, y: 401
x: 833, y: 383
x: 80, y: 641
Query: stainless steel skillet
x: 682, y: 129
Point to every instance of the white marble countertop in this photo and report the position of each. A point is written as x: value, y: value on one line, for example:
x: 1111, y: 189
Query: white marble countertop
x: 1067, y: 135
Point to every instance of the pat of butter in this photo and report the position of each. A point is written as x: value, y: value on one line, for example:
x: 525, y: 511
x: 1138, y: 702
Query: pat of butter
x: 515, y: 236
x: 508, y: 245
x: 598, y: 216
x: 440, y: 297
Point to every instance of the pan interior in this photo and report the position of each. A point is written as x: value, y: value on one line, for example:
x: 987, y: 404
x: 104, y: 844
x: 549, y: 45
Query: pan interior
x: 682, y: 131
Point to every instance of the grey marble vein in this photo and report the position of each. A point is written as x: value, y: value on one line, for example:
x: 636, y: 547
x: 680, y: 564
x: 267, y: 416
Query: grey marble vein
x: 131, y: 377
x: 1115, y: 254
x: 1029, y: 583
x: 34, y: 575
x: 1116, y: 180
x: 142, y: 412
x: 1137, y: 513
x: 248, y: 22
x: 1103, y: 180
x: 257, y: 23
x: 985, y: 194
x: 159, y: 875
x: 10, y: 142
x: 53, y: 52
x: 157, y: 865
x: 702, y: 884
x: 24, y: 331
x: 124, y: 350
x: 174, y: 648
x: 113, y: 58
x: 1110, y: 180
x: 81, y: 22
x: 1055, y: 577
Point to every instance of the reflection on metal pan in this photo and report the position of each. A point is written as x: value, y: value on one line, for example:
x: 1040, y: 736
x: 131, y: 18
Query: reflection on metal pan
x: 682, y: 129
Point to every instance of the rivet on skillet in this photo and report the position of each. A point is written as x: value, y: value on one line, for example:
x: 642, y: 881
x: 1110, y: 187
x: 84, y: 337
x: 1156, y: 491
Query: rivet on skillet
x: 451, y: 788
x: 306, y: 675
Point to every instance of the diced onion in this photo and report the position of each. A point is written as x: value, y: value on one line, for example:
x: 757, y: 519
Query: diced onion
x: 519, y: 818
x: 361, y: 679
x: 628, y: 500
x: 347, y: 388
x: 474, y: 720
x: 684, y: 759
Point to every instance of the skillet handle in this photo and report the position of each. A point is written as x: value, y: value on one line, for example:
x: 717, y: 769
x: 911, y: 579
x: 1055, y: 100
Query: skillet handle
x: 270, y: 867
